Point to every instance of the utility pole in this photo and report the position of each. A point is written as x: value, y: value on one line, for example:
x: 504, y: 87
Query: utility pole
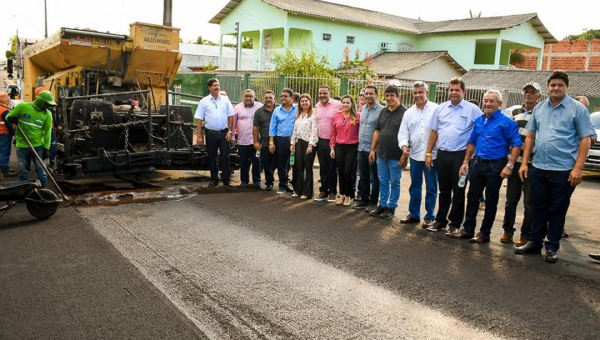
x: 45, y: 20
x: 168, y: 13
x: 238, y: 46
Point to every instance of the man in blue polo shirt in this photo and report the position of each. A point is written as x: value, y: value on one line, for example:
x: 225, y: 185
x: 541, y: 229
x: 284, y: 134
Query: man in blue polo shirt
x: 216, y: 112
x: 560, y: 128
x: 280, y: 132
x: 493, y: 134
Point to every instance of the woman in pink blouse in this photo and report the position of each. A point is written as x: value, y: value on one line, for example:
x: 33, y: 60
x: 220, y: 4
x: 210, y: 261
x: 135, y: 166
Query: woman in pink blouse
x: 344, y: 147
x: 304, y: 145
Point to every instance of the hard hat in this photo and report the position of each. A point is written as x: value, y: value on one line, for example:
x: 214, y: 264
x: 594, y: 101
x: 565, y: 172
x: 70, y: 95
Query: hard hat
x: 46, y: 96
x: 38, y: 90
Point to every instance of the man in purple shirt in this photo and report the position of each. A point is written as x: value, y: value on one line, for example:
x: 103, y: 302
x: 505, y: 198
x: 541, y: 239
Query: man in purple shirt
x: 451, y: 126
x: 243, y: 121
x: 324, y: 111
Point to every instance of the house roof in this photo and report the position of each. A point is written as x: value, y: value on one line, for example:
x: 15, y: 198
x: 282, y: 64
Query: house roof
x: 486, y: 24
x: 328, y: 10
x: 581, y: 83
x: 392, y: 63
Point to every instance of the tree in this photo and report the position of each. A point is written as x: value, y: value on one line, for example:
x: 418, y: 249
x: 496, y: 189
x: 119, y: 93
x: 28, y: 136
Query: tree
x: 13, y: 42
x: 357, y: 67
x: 306, y: 64
x: 201, y: 41
x: 587, y: 35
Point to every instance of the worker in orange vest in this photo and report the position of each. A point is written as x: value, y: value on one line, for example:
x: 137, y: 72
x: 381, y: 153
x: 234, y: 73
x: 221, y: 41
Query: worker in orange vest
x: 6, y: 134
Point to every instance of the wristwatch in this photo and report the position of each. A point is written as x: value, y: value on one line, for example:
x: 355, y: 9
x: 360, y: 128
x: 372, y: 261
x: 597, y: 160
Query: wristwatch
x: 510, y: 166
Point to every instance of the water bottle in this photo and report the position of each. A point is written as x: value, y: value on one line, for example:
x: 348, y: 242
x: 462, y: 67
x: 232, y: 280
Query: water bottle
x: 258, y: 153
x: 292, y: 158
x: 463, y: 180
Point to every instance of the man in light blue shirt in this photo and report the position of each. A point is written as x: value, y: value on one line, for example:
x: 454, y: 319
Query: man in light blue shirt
x: 216, y: 113
x: 560, y: 129
x: 451, y: 126
x: 369, y: 180
x: 280, y: 132
x: 413, y: 139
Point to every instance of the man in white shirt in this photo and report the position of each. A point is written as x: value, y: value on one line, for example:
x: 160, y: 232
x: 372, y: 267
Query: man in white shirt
x: 413, y: 138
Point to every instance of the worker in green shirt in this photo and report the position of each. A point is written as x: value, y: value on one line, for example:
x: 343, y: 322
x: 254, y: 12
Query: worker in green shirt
x: 35, y: 122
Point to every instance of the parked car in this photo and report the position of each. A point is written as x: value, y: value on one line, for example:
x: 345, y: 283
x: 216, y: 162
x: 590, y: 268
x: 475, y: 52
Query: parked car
x: 593, y: 160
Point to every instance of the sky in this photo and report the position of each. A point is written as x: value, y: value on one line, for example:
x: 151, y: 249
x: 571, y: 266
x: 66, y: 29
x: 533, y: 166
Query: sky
x: 26, y: 17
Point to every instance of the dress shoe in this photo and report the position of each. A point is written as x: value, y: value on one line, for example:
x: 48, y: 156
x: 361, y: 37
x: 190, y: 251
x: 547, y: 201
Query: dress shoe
x: 529, y: 248
x: 370, y: 208
x: 427, y: 224
x: 409, y: 219
x: 213, y: 184
x: 462, y: 234
x: 269, y: 187
x: 437, y: 226
x: 595, y: 256
x: 331, y: 197
x: 322, y: 196
x: 227, y: 183
x: 480, y: 238
x: 294, y: 195
x: 452, y: 231
x: 388, y: 213
x: 377, y: 211
x: 521, y: 242
x: 303, y: 197
x: 362, y: 204
x: 506, y: 238
x: 550, y: 256
x: 565, y: 234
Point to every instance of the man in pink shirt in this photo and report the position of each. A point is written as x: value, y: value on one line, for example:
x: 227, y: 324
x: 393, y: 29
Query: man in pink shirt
x: 243, y: 122
x: 325, y: 110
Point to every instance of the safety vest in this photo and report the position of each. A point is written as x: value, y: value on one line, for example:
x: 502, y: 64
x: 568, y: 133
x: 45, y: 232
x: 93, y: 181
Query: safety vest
x: 3, y: 128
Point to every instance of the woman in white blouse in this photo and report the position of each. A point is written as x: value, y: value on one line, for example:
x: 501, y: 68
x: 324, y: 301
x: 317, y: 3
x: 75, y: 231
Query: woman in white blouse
x: 304, y: 146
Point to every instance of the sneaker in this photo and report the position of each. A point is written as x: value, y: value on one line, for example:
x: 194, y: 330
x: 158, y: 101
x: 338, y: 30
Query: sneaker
x: 340, y: 200
x: 550, y: 256
x: 377, y: 211
x: 321, y: 196
x: 506, y: 238
x: 331, y: 198
x: 427, y: 223
x: 370, y: 208
x: 388, y: 213
x: 436, y: 226
x: 281, y: 191
x: 347, y: 201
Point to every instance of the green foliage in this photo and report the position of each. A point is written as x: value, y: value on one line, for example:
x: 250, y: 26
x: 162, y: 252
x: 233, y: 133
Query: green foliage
x: 516, y: 58
x: 201, y: 41
x: 13, y: 42
x: 587, y: 35
x: 306, y: 64
x: 356, y: 67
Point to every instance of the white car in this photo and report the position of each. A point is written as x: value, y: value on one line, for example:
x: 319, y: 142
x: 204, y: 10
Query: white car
x: 593, y: 160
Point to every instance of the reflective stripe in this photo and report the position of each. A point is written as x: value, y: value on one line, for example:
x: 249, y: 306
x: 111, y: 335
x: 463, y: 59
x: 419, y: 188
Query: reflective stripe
x: 31, y: 124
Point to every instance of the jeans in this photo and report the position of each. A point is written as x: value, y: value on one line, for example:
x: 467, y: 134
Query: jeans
x: 448, y: 164
x: 247, y: 159
x: 303, y: 168
x: 345, y: 156
x: 418, y: 170
x: 5, y: 149
x: 550, y: 196
x: 369, y: 179
x: 267, y: 162
x: 514, y: 187
x: 24, y: 158
x: 484, y: 174
x: 282, y: 151
x: 389, y: 182
x: 218, y: 146
x: 327, y: 167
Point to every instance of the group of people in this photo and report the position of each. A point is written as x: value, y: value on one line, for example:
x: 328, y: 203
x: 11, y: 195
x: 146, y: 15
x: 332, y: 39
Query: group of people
x: 447, y: 145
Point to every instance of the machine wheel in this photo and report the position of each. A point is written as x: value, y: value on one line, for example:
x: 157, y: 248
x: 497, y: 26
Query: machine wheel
x: 42, y: 210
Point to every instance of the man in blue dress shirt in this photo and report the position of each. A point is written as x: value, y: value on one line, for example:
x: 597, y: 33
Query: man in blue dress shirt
x: 216, y: 113
x: 560, y: 129
x: 493, y: 135
x: 280, y: 132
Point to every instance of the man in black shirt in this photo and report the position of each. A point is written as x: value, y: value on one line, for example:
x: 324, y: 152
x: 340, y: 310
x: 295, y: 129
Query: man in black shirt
x: 387, y: 153
x: 260, y: 133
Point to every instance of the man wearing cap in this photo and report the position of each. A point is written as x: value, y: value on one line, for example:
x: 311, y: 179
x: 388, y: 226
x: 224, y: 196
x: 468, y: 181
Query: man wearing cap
x: 55, y: 126
x: 560, y: 129
x: 6, y: 134
x: 35, y: 122
x: 514, y: 185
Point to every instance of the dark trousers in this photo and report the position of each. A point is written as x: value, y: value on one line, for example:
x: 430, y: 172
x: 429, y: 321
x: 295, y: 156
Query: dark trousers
x: 282, y: 151
x: 345, y: 157
x: 514, y: 187
x: 248, y: 158
x: 216, y: 142
x: 448, y: 164
x: 303, y: 168
x: 551, y: 194
x: 369, y: 180
x: 267, y: 161
x: 327, y: 167
x: 484, y: 174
